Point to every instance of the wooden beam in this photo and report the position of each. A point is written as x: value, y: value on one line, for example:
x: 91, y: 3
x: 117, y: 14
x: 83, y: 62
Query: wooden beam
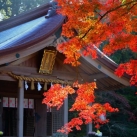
x: 89, y: 68
x: 60, y: 59
x: 104, y: 69
x: 6, y: 78
x: 18, y: 69
x: 97, y: 76
x: 57, y: 74
x: 19, y: 61
x: 23, y: 53
x: 7, y: 94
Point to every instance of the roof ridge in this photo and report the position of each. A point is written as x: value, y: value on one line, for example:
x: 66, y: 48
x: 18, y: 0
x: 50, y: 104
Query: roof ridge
x: 25, y: 17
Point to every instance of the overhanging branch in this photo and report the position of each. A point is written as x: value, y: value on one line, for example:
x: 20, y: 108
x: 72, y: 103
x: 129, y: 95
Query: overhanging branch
x: 109, y: 11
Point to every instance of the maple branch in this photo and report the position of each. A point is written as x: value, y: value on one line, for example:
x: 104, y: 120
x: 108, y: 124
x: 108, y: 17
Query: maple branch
x: 109, y: 11
x: 98, y: 13
x: 86, y: 32
x: 129, y: 9
x: 77, y: 71
x: 76, y: 66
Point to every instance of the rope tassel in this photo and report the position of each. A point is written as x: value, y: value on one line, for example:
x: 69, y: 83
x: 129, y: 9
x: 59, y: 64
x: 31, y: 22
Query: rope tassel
x: 32, y: 85
x: 45, y: 86
x: 35, y: 79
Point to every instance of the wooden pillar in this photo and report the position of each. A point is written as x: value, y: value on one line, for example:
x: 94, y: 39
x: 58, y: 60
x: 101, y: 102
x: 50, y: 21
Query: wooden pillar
x: 20, y: 110
x: 1, y: 109
x: 66, y: 111
x: 89, y: 131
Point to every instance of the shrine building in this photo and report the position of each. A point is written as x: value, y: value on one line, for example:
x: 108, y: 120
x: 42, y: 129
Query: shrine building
x: 30, y: 64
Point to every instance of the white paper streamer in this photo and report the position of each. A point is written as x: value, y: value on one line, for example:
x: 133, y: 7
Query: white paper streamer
x: 39, y: 86
x: 26, y: 85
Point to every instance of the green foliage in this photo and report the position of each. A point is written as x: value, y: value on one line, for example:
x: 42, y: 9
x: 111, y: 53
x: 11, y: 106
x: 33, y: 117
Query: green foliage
x: 119, y: 128
x: 123, y: 123
x: 10, y: 8
x: 129, y: 93
x: 122, y: 56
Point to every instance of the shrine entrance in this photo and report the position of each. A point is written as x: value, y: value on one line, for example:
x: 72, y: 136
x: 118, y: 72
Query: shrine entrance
x: 10, y: 116
x: 10, y: 122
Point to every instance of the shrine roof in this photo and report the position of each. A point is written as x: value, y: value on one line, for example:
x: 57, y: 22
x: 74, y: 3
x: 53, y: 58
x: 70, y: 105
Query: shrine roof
x: 30, y: 32
x: 24, y: 35
x: 34, y: 30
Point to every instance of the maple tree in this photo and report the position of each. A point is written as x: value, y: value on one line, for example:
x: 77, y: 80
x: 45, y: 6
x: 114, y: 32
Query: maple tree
x: 88, y: 113
x: 90, y: 23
